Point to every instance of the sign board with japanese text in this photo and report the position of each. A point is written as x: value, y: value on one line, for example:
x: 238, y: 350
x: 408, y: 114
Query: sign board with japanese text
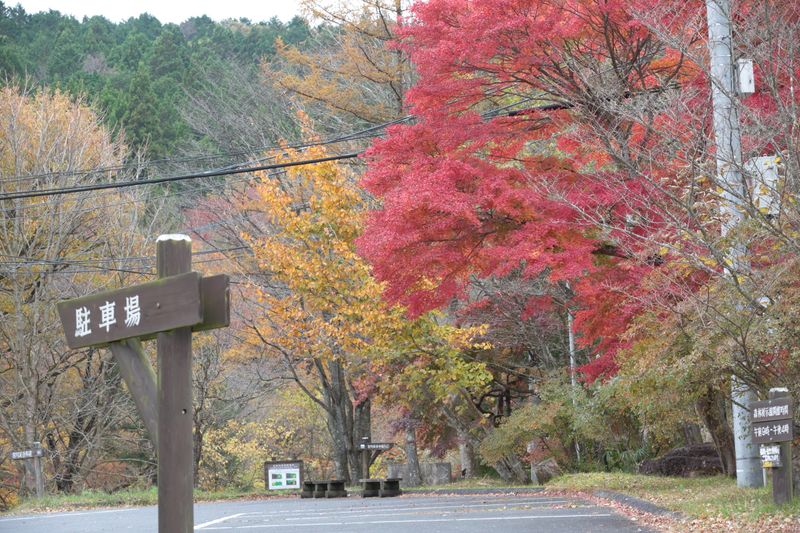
x: 772, y: 420
x: 770, y: 456
x: 777, y: 409
x: 137, y: 311
x: 375, y: 445
x: 283, y: 474
x: 168, y: 309
x: 773, y: 431
x: 27, y: 454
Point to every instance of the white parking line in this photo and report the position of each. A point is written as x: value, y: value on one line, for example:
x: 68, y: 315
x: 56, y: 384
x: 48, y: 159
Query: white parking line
x: 418, y: 521
x: 409, y: 507
x: 217, y: 521
x: 376, y: 511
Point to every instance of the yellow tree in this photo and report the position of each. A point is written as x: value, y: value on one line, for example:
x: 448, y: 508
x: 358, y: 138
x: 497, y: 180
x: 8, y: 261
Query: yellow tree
x: 53, y: 248
x: 348, y: 68
x: 313, y: 306
x: 318, y: 300
x: 346, y: 74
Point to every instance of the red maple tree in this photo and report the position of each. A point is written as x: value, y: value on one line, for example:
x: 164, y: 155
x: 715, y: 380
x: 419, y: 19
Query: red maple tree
x: 566, y: 137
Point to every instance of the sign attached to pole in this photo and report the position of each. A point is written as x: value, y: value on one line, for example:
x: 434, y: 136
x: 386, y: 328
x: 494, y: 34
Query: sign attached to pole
x: 281, y: 475
x: 375, y: 446
x: 770, y: 455
x: 27, y: 454
x: 137, y: 311
x: 168, y: 309
x: 772, y: 420
x: 34, y: 455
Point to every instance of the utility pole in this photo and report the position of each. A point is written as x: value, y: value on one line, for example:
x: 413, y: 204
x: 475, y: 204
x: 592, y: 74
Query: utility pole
x: 729, y: 170
x: 573, y: 382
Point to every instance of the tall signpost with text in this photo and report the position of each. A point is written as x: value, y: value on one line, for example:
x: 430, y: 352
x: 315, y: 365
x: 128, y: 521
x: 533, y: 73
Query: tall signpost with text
x: 168, y: 309
x: 772, y: 424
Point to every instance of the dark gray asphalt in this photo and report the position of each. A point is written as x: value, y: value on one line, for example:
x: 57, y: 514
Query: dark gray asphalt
x: 418, y: 514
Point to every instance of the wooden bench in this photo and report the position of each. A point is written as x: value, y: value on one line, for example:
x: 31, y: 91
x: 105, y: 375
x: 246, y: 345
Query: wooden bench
x: 324, y: 488
x: 380, y: 487
x: 390, y: 487
x: 308, y: 489
x: 371, y: 488
x: 336, y: 489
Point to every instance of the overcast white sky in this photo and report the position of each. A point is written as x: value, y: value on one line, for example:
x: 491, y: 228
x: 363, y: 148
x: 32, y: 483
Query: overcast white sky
x: 166, y: 10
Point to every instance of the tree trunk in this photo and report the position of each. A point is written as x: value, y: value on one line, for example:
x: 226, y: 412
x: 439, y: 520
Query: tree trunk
x: 346, y: 422
x: 198, y: 452
x: 412, y: 460
x: 466, y: 452
x: 30, y: 437
x: 362, y: 424
x: 340, y: 421
x: 711, y: 409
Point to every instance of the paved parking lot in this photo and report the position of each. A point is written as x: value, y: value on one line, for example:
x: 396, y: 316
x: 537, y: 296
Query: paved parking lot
x: 412, y: 513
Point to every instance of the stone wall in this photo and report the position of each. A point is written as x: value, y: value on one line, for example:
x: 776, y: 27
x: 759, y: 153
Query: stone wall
x: 431, y: 473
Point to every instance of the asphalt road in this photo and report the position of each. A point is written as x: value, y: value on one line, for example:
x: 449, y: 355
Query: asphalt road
x: 412, y: 513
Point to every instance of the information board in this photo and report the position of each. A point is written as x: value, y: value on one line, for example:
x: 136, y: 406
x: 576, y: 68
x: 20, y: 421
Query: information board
x: 281, y: 475
x: 772, y: 421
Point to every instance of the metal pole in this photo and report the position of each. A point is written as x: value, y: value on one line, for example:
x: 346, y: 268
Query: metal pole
x: 175, y: 464
x: 729, y: 165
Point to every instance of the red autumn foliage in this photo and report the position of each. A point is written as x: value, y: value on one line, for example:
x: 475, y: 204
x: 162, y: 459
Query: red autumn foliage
x: 472, y: 189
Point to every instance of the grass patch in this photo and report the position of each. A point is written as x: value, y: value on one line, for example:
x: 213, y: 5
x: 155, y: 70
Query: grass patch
x: 88, y: 499
x: 474, y: 483
x: 124, y: 498
x: 701, y: 497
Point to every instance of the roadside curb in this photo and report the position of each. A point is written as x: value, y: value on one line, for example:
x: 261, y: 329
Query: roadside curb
x: 495, y: 490
x: 638, y: 504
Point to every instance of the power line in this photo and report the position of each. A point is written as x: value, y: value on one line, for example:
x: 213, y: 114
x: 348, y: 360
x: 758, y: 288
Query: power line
x: 141, y: 258
x: 136, y: 183
x: 95, y: 269
x: 239, y: 169
x: 353, y: 136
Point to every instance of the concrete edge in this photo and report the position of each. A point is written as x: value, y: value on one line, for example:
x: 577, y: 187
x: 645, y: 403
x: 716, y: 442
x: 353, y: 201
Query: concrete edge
x: 639, y: 504
x: 476, y: 491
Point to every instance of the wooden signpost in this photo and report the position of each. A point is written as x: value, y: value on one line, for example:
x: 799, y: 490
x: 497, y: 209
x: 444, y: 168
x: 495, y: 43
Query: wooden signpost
x: 773, y: 428
x: 369, y: 452
x: 168, y: 309
x: 35, y: 454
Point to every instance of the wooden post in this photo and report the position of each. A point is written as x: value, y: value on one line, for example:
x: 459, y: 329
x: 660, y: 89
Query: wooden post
x: 167, y: 309
x: 175, y: 464
x: 365, y: 458
x: 782, y: 475
x: 139, y: 376
x: 37, y: 470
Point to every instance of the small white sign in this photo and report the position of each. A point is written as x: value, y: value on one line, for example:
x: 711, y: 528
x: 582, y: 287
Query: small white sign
x: 770, y: 455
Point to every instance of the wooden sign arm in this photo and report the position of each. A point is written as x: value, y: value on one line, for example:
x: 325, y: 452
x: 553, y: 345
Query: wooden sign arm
x: 139, y: 376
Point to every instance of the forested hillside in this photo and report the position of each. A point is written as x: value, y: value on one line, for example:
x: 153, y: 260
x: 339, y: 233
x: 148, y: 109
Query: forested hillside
x: 137, y: 72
